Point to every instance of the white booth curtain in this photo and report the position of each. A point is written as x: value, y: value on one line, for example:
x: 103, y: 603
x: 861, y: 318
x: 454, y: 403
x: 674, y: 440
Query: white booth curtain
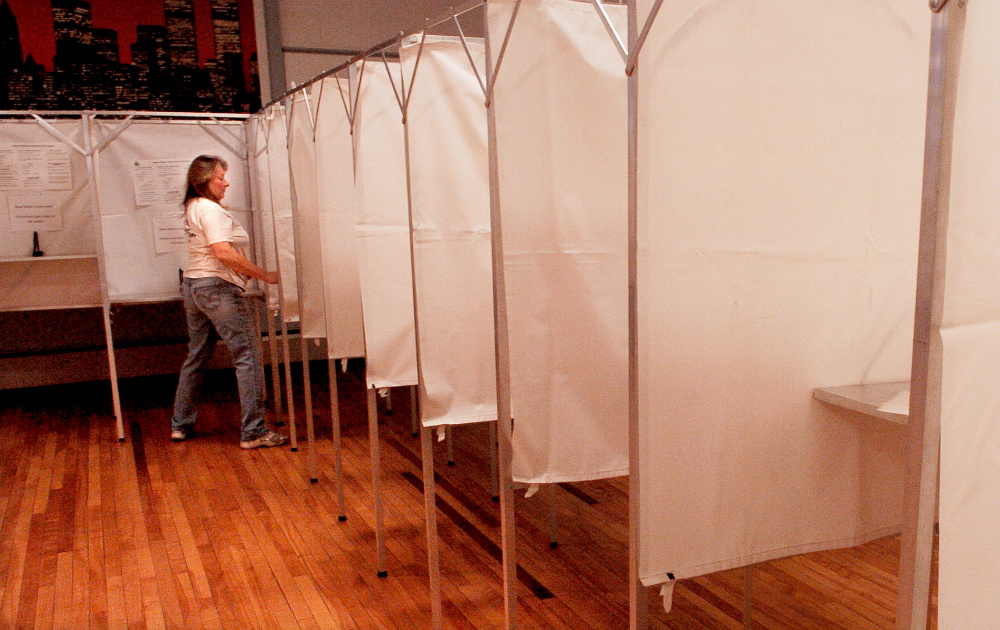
x: 73, y: 199
x: 278, y: 213
x: 970, y: 338
x: 303, y: 183
x: 383, y: 228
x: 34, y: 283
x: 780, y: 164
x: 449, y: 175
x: 138, y: 267
x: 338, y: 211
x: 265, y: 250
x: 560, y: 101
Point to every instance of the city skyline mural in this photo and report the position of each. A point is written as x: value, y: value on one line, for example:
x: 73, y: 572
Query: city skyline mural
x: 153, y: 55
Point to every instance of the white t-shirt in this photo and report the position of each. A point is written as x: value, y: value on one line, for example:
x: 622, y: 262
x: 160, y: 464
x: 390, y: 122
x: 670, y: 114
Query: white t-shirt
x: 207, y: 223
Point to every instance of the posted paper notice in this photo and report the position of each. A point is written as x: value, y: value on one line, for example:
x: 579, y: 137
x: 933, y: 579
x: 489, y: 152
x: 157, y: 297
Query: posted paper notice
x: 35, y: 167
x: 169, y: 234
x: 159, y: 181
x: 34, y: 214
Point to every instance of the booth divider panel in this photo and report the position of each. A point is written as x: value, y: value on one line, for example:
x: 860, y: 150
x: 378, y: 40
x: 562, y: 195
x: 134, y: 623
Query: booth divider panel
x: 562, y: 146
x: 281, y: 208
x: 262, y: 202
x: 141, y: 177
x: 338, y: 210
x: 970, y: 337
x: 383, y: 231
x: 36, y: 196
x: 779, y: 198
x: 302, y: 167
x: 449, y: 178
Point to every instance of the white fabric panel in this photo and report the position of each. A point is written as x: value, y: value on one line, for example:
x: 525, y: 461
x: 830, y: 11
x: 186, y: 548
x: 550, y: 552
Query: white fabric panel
x: 135, y: 270
x: 279, y: 182
x: 449, y: 179
x: 302, y: 160
x: 264, y: 222
x: 36, y: 283
x: 383, y: 231
x: 338, y: 210
x: 779, y: 194
x: 561, y: 138
x: 970, y: 397
x: 77, y: 234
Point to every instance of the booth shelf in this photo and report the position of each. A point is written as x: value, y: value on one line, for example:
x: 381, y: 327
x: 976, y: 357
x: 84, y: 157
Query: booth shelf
x: 869, y: 399
x: 48, y: 258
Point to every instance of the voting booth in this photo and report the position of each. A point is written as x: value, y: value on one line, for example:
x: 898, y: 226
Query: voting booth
x: 647, y: 233
x: 103, y: 193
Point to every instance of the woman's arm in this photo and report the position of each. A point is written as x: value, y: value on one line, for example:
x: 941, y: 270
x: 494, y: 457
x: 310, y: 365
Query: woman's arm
x: 231, y: 258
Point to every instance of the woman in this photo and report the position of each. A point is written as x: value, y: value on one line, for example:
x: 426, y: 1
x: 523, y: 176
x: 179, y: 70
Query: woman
x: 218, y: 272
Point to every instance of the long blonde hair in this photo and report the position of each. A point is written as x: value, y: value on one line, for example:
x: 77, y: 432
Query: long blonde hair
x: 201, y: 171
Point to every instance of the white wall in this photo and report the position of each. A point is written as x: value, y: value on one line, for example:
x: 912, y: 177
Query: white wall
x: 343, y: 25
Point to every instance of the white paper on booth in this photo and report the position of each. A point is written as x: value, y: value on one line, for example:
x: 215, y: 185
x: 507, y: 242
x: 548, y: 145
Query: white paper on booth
x: 169, y: 236
x: 32, y: 213
x: 35, y: 167
x: 159, y: 181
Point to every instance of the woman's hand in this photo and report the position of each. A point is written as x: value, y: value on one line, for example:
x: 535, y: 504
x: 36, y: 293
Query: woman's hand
x: 231, y: 258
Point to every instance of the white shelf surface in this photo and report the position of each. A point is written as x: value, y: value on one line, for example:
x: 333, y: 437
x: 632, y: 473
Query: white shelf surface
x: 48, y: 258
x: 888, y: 401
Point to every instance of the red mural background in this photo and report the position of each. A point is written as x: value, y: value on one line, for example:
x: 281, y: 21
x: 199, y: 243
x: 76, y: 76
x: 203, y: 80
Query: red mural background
x: 34, y: 18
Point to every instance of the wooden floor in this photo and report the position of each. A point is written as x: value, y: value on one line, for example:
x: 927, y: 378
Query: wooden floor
x: 154, y: 534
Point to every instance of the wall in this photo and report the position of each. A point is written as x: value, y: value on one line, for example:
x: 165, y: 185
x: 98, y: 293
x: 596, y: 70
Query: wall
x: 316, y: 36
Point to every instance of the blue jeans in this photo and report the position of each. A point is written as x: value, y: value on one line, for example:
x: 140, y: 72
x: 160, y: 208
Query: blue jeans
x: 214, y: 303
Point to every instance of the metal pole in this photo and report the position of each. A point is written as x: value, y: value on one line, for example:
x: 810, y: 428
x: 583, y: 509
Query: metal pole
x: 286, y: 354
x: 414, y: 418
x: 103, y: 274
x: 269, y: 315
x: 430, y: 509
x: 258, y: 223
x: 553, y: 517
x: 430, y: 492
x: 502, y: 351
x: 376, y: 456
x: 338, y: 462
x: 494, y: 463
x: 300, y: 287
x: 638, y: 594
x: 748, y: 597
x: 924, y: 427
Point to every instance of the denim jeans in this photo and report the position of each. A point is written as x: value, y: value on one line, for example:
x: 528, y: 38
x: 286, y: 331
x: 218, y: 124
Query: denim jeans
x: 214, y: 303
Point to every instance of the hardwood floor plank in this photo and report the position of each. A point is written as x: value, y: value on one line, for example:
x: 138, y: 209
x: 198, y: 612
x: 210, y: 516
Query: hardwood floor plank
x: 150, y: 533
x: 193, y: 566
x: 62, y: 604
x: 117, y: 618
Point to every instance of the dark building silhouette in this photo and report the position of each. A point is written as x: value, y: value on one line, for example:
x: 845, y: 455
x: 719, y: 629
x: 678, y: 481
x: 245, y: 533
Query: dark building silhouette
x: 31, y: 87
x: 74, y: 33
x: 254, y: 96
x: 105, y: 41
x: 179, y: 19
x: 151, y: 57
x: 11, y: 56
x: 163, y: 76
x: 226, y: 26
